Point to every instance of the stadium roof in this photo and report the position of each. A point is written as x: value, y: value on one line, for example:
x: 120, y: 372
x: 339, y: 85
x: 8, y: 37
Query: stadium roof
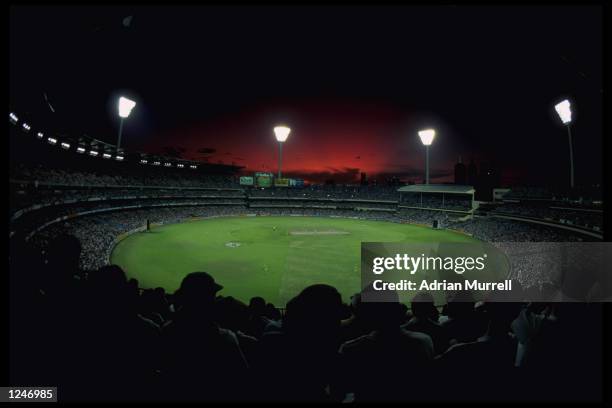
x: 437, y: 188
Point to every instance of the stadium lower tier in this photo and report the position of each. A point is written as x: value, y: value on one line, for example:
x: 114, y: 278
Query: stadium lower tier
x: 99, y: 226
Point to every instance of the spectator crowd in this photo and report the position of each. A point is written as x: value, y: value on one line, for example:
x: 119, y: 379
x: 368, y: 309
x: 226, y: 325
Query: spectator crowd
x: 98, y: 337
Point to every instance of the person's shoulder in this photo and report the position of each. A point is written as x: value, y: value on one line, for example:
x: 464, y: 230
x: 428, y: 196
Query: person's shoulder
x: 422, y: 340
x: 460, y: 349
x: 356, y: 343
x: 415, y: 335
x: 245, y: 337
x: 272, y: 336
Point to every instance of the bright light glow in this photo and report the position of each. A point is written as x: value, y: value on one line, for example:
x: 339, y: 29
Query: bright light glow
x: 13, y: 117
x: 281, y: 133
x: 180, y: 166
x: 93, y: 153
x: 26, y: 126
x: 52, y: 140
x: 427, y: 136
x: 39, y: 135
x: 156, y: 163
x: 193, y: 166
x: 167, y: 164
x: 125, y: 107
x: 106, y: 155
x: 143, y: 161
x: 119, y: 158
x: 564, y: 111
x: 80, y: 150
x: 66, y: 145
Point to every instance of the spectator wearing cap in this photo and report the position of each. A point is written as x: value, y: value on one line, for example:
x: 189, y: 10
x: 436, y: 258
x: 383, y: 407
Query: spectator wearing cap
x: 203, y: 361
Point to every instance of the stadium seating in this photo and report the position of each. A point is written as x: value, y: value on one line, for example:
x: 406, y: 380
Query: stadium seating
x: 105, y: 337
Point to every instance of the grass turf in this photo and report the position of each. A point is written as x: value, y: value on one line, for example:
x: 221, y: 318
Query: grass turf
x: 276, y: 258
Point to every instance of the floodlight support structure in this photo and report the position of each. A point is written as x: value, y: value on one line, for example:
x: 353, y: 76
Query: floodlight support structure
x: 426, y: 164
x: 120, y: 132
x: 571, y: 154
x: 280, y: 158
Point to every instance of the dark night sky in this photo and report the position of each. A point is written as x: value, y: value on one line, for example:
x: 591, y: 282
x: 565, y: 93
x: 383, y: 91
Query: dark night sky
x: 354, y: 83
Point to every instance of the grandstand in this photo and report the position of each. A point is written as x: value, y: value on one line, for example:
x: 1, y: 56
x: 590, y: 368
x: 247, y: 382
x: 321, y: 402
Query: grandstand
x: 449, y: 198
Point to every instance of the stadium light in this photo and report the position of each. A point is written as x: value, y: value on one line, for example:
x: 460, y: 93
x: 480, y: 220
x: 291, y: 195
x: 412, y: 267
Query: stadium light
x: 180, y: 166
x: 52, y: 140
x: 13, y: 118
x: 564, y: 111
x: 106, y: 155
x: 281, y: 133
x: 80, y: 150
x: 119, y: 157
x: 65, y: 145
x: 40, y: 135
x: 93, y: 153
x: 427, y: 136
x: 143, y: 161
x: 125, y: 107
x: 193, y: 166
x: 26, y: 127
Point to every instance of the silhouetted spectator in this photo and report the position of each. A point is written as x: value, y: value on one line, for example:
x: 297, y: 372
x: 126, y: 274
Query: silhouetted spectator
x: 461, y: 322
x: 233, y: 315
x: 272, y: 312
x: 257, y: 320
x: 485, y: 365
x: 356, y: 325
x: 203, y: 362
x: 425, y: 320
x: 306, y: 350
x: 112, y: 321
x: 377, y: 366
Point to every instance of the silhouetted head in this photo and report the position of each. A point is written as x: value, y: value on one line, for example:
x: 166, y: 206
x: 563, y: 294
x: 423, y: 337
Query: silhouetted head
x: 272, y: 312
x: 198, y: 290
x: 108, y: 279
x: 380, y: 309
x: 257, y: 305
x: 109, y: 285
x: 460, y: 304
x: 423, y: 306
x: 318, y: 307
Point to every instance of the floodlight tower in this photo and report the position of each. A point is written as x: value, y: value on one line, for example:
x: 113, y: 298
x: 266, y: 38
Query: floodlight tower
x: 281, y: 133
x: 563, y: 108
x: 125, y: 107
x: 427, y: 136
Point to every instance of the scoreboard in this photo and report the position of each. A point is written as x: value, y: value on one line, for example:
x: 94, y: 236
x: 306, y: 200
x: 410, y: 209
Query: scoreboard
x: 281, y: 182
x: 263, y: 179
x: 246, y: 181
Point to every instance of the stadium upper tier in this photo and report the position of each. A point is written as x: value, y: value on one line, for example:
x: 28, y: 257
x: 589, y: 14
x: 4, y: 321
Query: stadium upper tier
x: 40, y: 194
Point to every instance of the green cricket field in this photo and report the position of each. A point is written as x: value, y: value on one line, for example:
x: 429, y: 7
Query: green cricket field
x: 269, y: 256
